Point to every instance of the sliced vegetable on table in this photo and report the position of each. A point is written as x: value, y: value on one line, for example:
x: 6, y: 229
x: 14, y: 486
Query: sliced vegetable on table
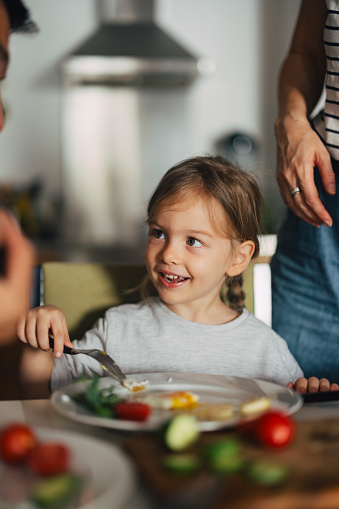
x: 16, y: 441
x: 273, y: 429
x: 180, y: 433
x: 57, y: 491
x: 49, y: 458
x: 224, y: 456
x: 43, y: 469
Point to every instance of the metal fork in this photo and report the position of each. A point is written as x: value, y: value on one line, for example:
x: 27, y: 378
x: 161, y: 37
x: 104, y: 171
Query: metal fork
x: 105, y: 361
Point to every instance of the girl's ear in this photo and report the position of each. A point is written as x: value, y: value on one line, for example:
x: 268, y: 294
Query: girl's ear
x: 241, y: 258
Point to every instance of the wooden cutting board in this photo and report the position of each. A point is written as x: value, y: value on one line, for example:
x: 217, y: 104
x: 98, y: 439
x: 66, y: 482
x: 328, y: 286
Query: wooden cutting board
x: 312, y: 460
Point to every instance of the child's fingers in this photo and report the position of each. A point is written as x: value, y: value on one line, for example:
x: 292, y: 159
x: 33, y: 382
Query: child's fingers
x: 59, y: 340
x: 61, y: 336
x: 301, y: 385
x: 313, y: 384
x: 20, y: 328
x: 324, y: 385
x: 67, y: 341
x: 30, y: 330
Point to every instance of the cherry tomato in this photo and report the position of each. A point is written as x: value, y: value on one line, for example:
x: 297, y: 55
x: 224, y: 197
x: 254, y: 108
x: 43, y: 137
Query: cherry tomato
x: 16, y: 441
x: 272, y: 429
x: 49, y: 458
x: 133, y: 410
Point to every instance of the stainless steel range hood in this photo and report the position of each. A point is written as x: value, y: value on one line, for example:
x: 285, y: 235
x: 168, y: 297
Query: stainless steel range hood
x: 130, y: 49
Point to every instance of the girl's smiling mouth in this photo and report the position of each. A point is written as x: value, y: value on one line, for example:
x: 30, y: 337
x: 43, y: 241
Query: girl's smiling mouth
x: 171, y: 280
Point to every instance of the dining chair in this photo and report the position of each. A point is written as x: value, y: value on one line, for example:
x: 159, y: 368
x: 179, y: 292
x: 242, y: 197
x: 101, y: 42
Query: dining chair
x: 85, y: 290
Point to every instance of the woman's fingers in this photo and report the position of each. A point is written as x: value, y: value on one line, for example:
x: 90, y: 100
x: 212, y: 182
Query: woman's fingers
x: 305, y: 204
x: 296, y: 161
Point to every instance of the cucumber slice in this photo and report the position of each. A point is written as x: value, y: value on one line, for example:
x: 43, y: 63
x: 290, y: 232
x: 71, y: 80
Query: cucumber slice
x: 181, y: 463
x: 227, y: 465
x: 55, y: 492
x: 221, y: 448
x: 224, y: 456
x: 267, y: 473
x: 180, y: 432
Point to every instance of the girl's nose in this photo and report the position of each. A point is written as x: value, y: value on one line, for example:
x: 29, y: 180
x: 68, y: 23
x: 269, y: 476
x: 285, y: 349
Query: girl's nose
x: 171, y: 253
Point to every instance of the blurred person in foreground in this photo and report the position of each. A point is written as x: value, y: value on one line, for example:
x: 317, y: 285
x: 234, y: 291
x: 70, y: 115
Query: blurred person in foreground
x: 305, y: 268
x: 16, y: 252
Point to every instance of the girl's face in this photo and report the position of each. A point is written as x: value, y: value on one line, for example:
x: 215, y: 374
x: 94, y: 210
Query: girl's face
x: 187, y: 259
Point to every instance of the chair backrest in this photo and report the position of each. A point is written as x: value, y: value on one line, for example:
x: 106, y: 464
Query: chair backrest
x: 85, y: 290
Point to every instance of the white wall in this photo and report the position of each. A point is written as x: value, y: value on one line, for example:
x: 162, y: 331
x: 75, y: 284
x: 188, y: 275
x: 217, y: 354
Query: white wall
x: 246, y: 38
x: 30, y: 142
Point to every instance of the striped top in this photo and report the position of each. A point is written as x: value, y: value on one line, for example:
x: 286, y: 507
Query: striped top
x: 326, y: 123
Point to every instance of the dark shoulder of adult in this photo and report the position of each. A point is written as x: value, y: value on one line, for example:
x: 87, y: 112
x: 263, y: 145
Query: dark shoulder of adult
x: 19, y: 17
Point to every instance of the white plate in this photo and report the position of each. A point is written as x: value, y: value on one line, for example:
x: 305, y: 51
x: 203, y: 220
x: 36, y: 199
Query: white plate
x: 110, y: 479
x: 210, y: 388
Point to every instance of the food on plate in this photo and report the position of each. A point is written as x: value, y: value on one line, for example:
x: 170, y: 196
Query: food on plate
x: 56, y: 492
x: 134, y: 385
x: 106, y: 403
x: 180, y: 432
x: 99, y: 401
x: 254, y: 406
x: 16, y: 441
x: 177, y: 400
x: 112, y: 402
x: 133, y: 410
x: 182, y: 463
x: 214, y: 412
x: 49, y: 458
x: 273, y: 429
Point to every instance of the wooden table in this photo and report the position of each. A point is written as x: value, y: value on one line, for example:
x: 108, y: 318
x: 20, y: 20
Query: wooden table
x: 316, y: 449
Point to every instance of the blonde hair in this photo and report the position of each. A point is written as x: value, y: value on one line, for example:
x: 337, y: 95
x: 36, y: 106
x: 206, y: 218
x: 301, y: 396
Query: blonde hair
x: 236, y: 191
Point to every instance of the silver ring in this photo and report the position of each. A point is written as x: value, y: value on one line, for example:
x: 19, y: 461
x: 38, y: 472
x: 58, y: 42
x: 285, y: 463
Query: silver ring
x: 295, y: 191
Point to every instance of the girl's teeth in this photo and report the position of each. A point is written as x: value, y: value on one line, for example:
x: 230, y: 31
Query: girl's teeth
x: 171, y: 277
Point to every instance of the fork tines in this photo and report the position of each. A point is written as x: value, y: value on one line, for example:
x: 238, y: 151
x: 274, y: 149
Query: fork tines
x: 110, y: 365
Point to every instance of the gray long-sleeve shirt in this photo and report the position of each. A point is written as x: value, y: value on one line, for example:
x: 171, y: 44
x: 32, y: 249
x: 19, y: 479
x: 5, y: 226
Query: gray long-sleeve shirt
x: 148, y: 337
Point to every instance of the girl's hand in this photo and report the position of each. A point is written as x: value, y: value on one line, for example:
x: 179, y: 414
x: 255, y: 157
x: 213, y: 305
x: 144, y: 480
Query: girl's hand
x: 313, y: 384
x: 33, y: 327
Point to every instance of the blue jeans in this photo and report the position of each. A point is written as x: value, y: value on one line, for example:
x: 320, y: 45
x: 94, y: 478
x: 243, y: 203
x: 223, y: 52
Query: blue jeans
x: 305, y: 289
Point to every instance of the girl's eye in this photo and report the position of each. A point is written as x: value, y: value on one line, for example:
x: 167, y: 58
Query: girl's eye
x: 192, y: 242
x: 157, y: 234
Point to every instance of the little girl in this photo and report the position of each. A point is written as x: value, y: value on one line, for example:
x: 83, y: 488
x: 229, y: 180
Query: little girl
x: 203, y: 221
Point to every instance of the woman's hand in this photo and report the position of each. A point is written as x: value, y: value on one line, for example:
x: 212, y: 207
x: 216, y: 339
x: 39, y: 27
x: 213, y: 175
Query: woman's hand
x: 33, y: 327
x: 299, y: 151
x: 313, y: 384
